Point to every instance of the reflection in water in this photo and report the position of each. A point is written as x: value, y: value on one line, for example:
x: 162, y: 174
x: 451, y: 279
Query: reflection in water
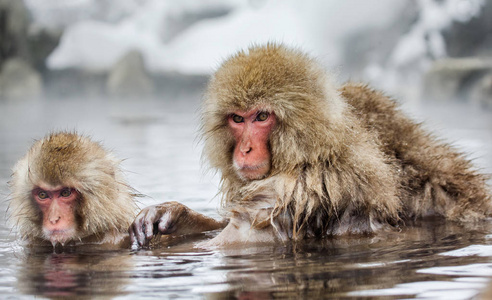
x: 397, y: 264
x: 357, y: 266
x: 158, y: 140
x: 73, y: 274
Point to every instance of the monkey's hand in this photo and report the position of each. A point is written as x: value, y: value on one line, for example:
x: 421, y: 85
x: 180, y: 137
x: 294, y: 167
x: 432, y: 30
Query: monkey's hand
x: 169, y: 218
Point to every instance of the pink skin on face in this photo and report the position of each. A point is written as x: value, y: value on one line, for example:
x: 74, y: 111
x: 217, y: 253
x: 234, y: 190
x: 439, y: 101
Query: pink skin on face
x: 57, y: 205
x: 251, y: 130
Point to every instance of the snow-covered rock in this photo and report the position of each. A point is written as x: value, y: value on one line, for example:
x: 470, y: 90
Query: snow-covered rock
x: 317, y: 27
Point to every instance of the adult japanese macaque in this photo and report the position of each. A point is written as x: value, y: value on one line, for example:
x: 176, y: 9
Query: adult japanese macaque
x: 301, y: 158
x: 68, y: 190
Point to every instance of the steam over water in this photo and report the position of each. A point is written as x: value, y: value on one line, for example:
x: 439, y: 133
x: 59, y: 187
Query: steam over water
x: 158, y: 140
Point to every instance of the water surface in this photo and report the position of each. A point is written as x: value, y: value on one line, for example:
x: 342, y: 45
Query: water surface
x: 157, y: 139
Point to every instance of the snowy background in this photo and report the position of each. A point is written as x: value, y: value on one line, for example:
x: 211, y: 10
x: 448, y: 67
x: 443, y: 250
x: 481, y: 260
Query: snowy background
x: 388, y: 43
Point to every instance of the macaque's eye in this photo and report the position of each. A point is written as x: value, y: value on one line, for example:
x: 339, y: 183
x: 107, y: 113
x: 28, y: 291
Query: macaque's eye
x: 66, y: 192
x: 262, y: 116
x: 42, y: 195
x: 237, y: 118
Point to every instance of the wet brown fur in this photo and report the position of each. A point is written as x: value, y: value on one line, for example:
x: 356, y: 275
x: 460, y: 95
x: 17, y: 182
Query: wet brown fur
x: 343, y: 160
x: 435, y: 178
x: 106, y: 206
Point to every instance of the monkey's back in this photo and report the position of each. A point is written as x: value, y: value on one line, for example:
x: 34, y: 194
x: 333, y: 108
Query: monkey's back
x: 435, y: 178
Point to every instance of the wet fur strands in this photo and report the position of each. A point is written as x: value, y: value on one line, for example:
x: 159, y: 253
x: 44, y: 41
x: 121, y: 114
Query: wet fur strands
x: 105, y: 206
x: 344, y: 159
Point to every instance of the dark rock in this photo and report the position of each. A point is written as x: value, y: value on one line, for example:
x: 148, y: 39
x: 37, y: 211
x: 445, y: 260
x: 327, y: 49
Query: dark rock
x: 472, y: 38
x: 128, y: 78
x: 14, y: 24
x: 18, y: 80
x: 453, y: 79
x: 41, y: 42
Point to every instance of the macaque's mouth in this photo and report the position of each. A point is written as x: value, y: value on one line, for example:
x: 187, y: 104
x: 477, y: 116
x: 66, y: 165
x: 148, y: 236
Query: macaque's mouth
x: 59, y: 236
x: 246, y: 168
x: 247, y: 172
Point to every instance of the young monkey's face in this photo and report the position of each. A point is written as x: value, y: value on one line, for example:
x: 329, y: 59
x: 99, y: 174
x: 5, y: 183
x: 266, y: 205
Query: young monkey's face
x: 57, y: 206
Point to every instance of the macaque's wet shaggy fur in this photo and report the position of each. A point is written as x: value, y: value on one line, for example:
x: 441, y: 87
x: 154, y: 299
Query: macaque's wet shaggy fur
x: 343, y: 160
x: 105, y: 207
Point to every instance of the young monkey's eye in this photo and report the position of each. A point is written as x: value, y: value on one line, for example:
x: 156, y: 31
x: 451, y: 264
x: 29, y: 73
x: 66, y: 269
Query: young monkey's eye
x: 42, y: 195
x: 65, y: 192
x: 262, y: 116
x: 237, y: 118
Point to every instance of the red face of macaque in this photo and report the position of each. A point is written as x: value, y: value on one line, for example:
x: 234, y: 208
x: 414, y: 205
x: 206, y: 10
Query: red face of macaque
x: 58, y: 208
x: 251, y: 129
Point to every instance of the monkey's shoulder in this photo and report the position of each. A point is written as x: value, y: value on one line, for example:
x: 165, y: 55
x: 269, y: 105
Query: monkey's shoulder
x: 364, y: 99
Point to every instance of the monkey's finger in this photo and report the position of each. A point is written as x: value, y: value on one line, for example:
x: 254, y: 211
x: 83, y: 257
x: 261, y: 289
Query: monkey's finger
x: 144, y: 223
x: 137, y: 231
x: 148, y: 228
x: 166, y: 224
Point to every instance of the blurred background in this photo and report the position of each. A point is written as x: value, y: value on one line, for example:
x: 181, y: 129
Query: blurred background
x: 432, y: 49
x: 131, y: 74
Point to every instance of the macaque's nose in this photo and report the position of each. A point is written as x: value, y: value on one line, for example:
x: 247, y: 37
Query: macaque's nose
x: 54, y: 220
x: 54, y: 214
x: 245, y: 147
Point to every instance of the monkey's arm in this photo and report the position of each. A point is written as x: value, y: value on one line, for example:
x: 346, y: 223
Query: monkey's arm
x: 169, y: 218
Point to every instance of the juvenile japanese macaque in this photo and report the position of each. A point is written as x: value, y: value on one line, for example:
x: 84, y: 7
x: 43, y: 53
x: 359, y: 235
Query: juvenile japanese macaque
x: 302, y: 158
x: 68, y: 190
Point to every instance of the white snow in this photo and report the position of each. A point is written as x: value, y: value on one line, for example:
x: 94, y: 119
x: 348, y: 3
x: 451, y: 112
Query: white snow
x: 318, y: 27
x: 425, y: 36
x: 479, y: 250
x: 422, y: 44
x: 98, y: 39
